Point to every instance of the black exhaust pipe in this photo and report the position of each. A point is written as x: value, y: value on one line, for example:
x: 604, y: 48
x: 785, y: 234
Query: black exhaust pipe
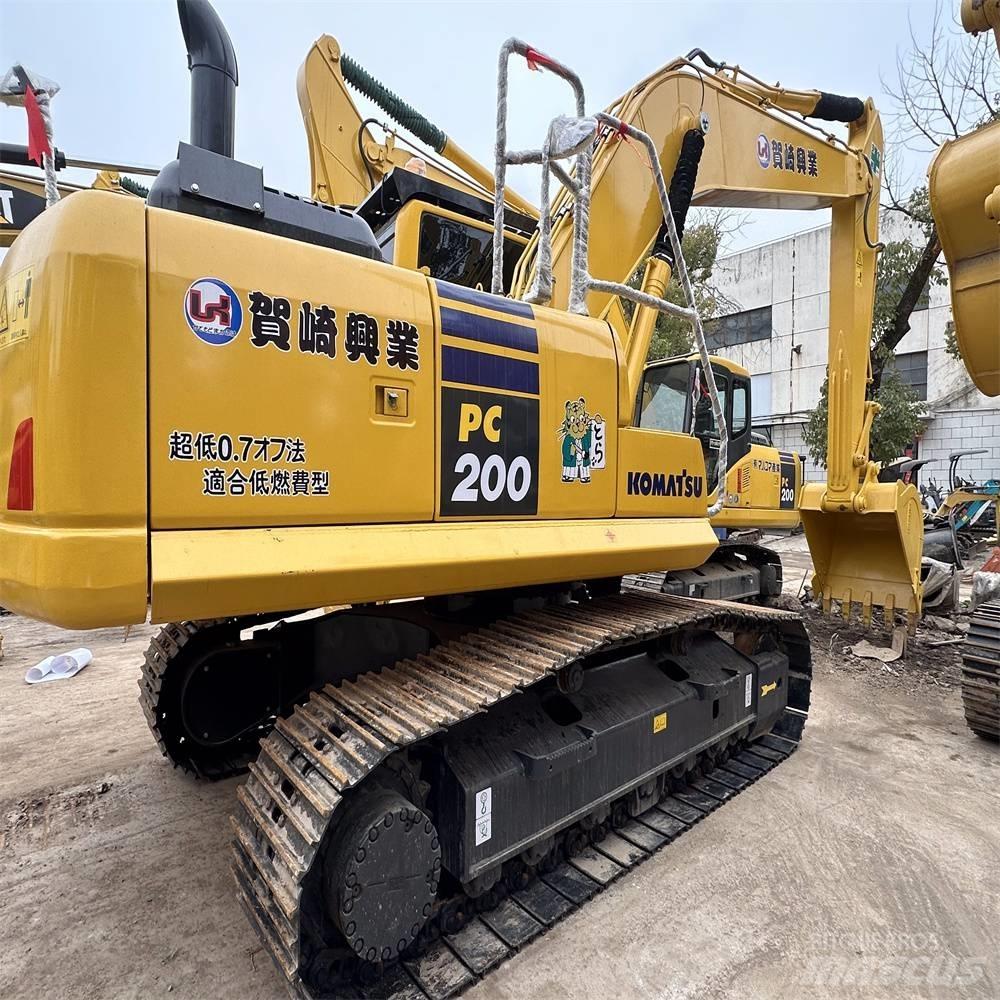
x: 207, y: 181
x: 214, y: 76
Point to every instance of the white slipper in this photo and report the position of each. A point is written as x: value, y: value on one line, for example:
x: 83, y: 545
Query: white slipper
x: 61, y: 667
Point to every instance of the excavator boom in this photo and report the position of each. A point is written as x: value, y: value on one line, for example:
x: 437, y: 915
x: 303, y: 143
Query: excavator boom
x: 757, y: 155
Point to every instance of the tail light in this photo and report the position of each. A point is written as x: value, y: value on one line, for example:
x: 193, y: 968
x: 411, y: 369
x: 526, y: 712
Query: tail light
x: 21, y: 482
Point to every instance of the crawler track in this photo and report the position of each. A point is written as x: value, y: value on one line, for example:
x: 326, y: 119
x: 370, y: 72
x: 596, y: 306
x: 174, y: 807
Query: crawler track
x: 311, y: 762
x: 981, y: 673
x: 160, y: 698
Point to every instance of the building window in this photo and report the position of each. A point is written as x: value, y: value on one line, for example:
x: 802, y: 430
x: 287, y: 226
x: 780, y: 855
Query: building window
x: 738, y: 328
x: 760, y: 397
x: 912, y: 369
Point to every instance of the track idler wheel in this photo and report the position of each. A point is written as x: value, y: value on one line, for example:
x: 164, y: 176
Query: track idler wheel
x: 382, y: 874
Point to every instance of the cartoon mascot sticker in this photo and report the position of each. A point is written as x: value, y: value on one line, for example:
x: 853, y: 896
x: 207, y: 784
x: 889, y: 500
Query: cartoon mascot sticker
x: 583, y: 442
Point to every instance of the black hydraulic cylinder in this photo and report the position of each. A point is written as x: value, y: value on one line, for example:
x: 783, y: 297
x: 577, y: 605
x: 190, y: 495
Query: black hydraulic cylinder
x: 681, y: 191
x: 834, y: 108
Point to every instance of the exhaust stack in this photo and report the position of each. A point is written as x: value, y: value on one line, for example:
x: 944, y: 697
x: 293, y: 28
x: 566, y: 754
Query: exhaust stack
x: 214, y: 76
x: 207, y: 181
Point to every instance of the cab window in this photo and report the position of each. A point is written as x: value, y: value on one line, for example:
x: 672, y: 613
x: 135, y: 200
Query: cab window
x: 705, y: 429
x: 664, y: 398
x: 462, y: 253
x: 740, y: 415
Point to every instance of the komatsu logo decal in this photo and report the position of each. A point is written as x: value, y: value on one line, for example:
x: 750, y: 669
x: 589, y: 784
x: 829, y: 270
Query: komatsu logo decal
x: 663, y: 484
x: 213, y: 311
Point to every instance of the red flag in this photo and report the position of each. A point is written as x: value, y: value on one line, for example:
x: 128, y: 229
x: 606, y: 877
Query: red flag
x: 38, y: 141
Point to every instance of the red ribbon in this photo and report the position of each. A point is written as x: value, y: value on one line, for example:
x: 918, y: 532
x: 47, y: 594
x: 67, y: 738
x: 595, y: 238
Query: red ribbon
x: 38, y: 141
x: 537, y: 59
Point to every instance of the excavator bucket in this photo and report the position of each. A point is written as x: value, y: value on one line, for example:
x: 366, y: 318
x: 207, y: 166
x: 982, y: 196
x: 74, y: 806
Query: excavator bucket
x: 869, y: 558
x: 965, y: 200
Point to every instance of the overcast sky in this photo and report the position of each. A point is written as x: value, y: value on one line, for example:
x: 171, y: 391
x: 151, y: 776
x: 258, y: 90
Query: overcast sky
x: 124, y: 77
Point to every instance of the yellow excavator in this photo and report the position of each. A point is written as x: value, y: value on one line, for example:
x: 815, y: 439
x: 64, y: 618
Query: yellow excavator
x: 430, y: 223
x: 227, y: 405
x: 22, y: 196
x: 964, y: 187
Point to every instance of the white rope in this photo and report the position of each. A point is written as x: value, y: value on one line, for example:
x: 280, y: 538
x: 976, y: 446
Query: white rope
x: 566, y: 138
x: 540, y: 292
x: 48, y: 163
x: 12, y: 93
x: 500, y: 169
x: 680, y: 269
x: 503, y: 157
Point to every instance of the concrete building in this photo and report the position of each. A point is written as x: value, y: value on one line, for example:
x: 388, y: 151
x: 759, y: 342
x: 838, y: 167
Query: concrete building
x: 779, y: 333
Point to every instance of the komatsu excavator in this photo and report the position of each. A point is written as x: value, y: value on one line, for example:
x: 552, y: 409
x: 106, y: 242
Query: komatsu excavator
x: 227, y: 405
x: 964, y: 187
x: 431, y: 224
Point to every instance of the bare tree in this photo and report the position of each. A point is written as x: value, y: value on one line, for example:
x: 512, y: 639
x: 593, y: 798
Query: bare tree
x: 946, y: 85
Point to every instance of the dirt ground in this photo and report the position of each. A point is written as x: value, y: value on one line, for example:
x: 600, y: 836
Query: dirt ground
x: 868, y: 865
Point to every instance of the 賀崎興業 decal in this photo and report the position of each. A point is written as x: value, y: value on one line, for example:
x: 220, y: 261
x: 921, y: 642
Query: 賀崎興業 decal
x: 583, y: 442
x: 213, y: 311
x: 779, y: 155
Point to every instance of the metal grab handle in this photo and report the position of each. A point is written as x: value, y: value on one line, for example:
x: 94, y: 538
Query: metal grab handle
x: 534, y: 58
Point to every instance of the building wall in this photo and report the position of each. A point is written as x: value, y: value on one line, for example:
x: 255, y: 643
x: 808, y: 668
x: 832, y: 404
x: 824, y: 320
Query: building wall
x: 792, y: 277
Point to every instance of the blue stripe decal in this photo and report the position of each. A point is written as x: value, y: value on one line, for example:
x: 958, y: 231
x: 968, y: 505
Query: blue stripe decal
x: 472, y: 297
x: 469, y: 326
x: 489, y: 370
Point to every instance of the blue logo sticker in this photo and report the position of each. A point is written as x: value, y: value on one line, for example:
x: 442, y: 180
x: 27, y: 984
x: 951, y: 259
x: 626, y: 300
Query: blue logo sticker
x: 213, y: 311
x: 763, y: 150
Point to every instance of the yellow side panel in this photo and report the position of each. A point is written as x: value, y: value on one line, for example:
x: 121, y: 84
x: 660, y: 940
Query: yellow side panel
x: 74, y: 362
x: 528, y: 410
x: 763, y: 490
x: 660, y: 474
x: 273, y: 419
x: 207, y: 574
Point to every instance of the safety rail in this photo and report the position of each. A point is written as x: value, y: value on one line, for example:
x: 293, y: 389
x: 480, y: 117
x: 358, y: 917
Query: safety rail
x: 575, y: 138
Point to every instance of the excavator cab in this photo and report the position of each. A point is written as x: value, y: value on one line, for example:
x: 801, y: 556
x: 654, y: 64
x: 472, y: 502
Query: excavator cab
x: 425, y: 225
x: 763, y: 484
x: 675, y: 397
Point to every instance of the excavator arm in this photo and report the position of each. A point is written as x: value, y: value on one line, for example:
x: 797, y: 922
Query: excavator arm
x: 345, y: 159
x: 729, y: 139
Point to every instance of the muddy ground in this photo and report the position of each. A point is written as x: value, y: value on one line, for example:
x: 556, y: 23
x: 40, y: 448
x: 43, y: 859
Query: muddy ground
x: 868, y: 865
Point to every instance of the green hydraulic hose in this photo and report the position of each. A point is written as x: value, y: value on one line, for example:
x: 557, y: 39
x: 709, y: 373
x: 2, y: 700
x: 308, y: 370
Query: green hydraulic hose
x: 392, y: 104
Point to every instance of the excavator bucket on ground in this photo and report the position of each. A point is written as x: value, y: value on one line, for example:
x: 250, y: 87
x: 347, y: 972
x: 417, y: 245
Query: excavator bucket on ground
x: 869, y: 558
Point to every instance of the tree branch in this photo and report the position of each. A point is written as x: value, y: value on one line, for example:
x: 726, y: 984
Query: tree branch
x: 887, y: 343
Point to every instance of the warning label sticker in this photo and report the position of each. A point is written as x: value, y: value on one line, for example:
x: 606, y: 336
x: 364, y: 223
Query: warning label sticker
x: 484, y: 815
x: 15, y: 308
x: 748, y: 694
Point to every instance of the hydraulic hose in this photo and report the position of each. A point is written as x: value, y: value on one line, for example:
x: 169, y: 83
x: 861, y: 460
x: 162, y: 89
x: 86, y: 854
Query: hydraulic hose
x: 392, y: 104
